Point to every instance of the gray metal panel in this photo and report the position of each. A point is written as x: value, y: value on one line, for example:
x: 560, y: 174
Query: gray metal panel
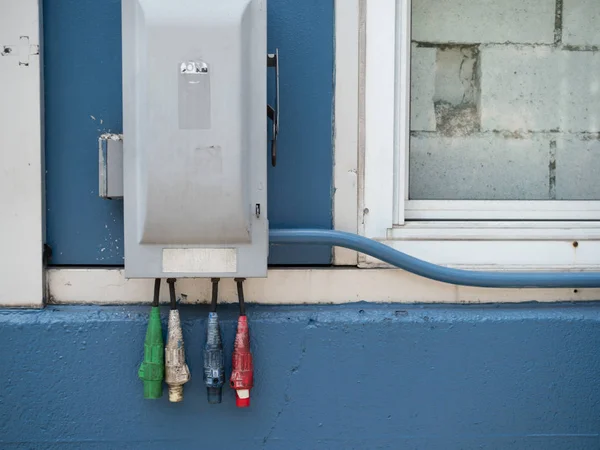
x: 194, y: 101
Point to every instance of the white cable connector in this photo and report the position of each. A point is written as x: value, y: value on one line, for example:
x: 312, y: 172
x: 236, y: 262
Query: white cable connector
x: 176, y: 370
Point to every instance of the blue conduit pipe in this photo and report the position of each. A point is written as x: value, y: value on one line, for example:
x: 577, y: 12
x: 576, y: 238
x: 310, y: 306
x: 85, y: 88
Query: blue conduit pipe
x: 433, y: 271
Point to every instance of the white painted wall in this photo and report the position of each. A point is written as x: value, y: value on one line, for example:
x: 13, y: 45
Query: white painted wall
x: 21, y: 156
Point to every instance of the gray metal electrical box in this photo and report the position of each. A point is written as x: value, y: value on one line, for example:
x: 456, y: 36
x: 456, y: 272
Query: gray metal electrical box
x: 195, y: 138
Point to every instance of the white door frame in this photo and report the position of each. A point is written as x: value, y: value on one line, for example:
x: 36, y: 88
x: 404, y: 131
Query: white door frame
x: 21, y: 161
x: 346, y: 113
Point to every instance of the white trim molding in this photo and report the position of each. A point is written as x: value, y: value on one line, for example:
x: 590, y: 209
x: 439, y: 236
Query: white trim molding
x: 345, y: 171
x: 502, y: 210
x: 387, y: 116
x: 402, y: 108
x: 377, y: 170
x: 497, y: 231
x: 294, y: 286
x: 21, y: 156
x: 514, y: 245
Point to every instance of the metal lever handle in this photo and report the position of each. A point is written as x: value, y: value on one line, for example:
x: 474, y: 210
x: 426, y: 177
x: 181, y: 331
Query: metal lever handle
x: 273, y: 113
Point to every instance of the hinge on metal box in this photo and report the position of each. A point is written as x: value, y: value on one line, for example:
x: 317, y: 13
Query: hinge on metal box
x: 273, y: 113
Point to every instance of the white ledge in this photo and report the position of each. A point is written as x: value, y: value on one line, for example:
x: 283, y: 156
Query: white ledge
x: 294, y: 286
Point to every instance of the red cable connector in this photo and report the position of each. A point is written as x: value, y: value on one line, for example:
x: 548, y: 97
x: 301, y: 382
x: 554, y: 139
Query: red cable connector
x: 242, y: 373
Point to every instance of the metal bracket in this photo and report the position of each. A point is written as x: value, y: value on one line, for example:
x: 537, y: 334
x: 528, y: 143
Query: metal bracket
x: 23, y: 50
x: 273, y: 113
x: 110, y: 160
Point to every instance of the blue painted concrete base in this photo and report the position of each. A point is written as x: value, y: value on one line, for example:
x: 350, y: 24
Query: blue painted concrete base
x: 332, y: 377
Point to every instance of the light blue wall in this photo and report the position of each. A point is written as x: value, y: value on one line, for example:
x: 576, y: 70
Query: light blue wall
x: 332, y: 377
x: 82, y: 54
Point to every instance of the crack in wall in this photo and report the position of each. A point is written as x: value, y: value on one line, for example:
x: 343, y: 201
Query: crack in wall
x: 286, y: 398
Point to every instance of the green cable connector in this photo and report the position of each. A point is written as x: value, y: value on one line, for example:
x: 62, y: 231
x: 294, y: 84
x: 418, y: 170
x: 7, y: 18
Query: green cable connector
x: 152, y: 369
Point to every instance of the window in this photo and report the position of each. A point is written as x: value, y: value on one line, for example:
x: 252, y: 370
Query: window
x: 481, y: 145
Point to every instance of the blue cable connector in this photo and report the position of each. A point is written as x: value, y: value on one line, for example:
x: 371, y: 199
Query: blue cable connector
x: 428, y: 270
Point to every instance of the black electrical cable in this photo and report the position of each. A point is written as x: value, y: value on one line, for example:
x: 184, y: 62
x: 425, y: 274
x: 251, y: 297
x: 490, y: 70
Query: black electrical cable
x: 156, y: 292
x: 171, y: 282
x: 215, y: 294
x: 240, y: 290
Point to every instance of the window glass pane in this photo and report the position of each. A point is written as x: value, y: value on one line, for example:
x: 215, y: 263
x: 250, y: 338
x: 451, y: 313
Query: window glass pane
x: 505, y: 100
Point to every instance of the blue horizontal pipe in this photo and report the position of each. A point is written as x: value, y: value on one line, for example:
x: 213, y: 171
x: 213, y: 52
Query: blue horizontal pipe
x: 425, y: 269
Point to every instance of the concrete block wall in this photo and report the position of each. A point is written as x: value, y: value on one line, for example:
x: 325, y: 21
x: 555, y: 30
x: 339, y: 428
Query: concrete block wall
x: 505, y: 101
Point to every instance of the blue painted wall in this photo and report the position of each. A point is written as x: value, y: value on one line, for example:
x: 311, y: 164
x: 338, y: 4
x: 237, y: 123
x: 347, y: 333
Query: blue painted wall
x: 333, y: 377
x: 327, y: 377
x: 82, y: 54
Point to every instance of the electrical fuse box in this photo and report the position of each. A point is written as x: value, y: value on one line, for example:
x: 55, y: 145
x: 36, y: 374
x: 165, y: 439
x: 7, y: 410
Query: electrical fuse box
x: 195, y: 138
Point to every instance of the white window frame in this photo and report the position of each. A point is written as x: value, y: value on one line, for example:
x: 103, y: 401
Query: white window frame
x: 506, y: 210
x: 500, y: 235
